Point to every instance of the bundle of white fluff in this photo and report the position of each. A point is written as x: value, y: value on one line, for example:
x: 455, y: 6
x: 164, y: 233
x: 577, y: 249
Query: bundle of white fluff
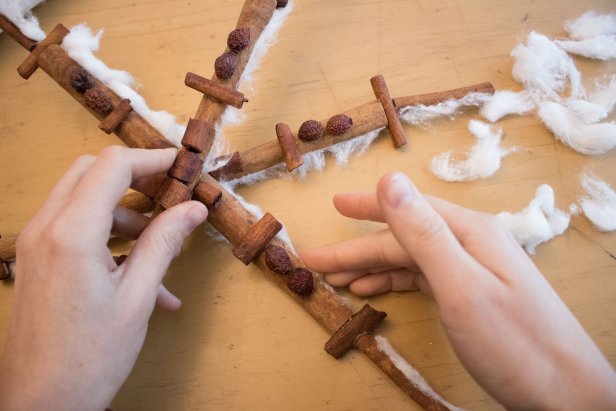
x: 483, y: 159
x: 80, y: 44
x: 598, y: 203
x: 421, y: 114
x: 594, y: 36
x: 505, y: 102
x: 545, y: 69
x: 605, y: 95
x: 590, y: 139
x: 537, y: 223
x: 19, y: 13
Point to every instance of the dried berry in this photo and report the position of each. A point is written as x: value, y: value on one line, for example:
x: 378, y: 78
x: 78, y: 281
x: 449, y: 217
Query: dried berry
x: 277, y: 259
x: 281, y: 3
x: 310, y: 130
x: 225, y: 65
x: 301, y: 281
x: 80, y: 81
x: 339, y: 124
x: 97, y: 100
x: 238, y: 39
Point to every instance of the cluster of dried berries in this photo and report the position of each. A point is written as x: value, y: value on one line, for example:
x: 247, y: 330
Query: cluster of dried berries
x: 97, y: 100
x: 301, y: 281
x: 310, y: 130
x: 225, y: 65
x: 80, y: 81
x: 238, y: 39
x: 339, y: 124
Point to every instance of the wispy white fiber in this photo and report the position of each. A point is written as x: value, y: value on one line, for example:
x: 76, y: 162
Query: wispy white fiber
x: 505, y: 102
x: 409, y: 371
x: 590, y: 25
x: 482, y: 160
x: 80, y: 44
x: 421, y: 114
x: 545, y: 69
x: 539, y: 222
x: 605, y: 94
x: 602, y: 47
x: 585, y: 138
x: 19, y: 12
x: 598, y: 203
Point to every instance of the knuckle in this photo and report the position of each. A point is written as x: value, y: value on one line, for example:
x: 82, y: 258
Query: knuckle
x: 429, y: 228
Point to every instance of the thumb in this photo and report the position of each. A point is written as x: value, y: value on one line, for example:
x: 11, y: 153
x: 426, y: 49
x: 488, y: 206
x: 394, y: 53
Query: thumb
x: 160, y: 243
x: 424, y: 234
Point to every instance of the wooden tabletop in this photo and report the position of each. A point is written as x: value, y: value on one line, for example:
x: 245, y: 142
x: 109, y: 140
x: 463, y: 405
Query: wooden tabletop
x: 238, y: 343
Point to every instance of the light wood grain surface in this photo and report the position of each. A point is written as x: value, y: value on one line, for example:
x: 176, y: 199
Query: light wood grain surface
x: 238, y: 343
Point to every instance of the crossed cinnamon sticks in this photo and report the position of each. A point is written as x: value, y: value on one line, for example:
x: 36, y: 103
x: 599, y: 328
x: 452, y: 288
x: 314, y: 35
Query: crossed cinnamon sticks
x: 247, y: 233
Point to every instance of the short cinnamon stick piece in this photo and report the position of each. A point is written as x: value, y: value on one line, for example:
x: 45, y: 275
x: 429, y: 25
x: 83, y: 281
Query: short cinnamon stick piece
x: 257, y: 238
x: 360, y: 323
x: 12, y: 30
x: 137, y: 201
x: 173, y: 192
x: 234, y: 166
x: 186, y: 167
x: 116, y: 117
x: 292, y: 156
x: 215, y: 90
x: 196, y: 136
x: 393, y: 122
x: 207, y: 194
x: 7, y: 248
x: 30, y: 64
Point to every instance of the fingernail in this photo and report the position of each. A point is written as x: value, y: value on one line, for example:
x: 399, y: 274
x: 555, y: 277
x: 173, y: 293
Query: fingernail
x: 399, y: 191
x: 197, y: 214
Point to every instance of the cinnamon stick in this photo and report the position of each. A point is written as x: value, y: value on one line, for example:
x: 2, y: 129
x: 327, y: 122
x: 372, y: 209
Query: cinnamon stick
x: 214, y: 90
x: 186, y: 167
x: 233, y: 167
x: 134, y: 131
x: 197, y: 136
x: 257, y: 238
x: 360, y: 323
x: 116, y: 117
x: 366, y: 118
x: 173, y: 192
x: 30, y: 64
x: 292, y: 156
x: 137, y: 201
x: 7, y: 248
x: 207, y: 194
x: 393, y: 122
x: 12, y: 30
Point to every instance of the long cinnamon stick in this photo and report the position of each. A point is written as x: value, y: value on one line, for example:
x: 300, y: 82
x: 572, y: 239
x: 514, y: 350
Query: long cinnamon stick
x: 9, y: 28
x: 366, y: 118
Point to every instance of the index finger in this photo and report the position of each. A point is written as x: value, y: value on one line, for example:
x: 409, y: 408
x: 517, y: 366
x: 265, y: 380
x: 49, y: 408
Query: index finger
x: 114, y: 170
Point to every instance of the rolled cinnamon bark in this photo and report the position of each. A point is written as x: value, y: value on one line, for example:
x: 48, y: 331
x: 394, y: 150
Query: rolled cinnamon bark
x: 30, y: 64
x: 9, y: 28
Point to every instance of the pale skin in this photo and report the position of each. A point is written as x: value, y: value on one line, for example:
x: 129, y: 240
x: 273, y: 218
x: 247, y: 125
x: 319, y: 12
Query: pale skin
x: 79, y: 320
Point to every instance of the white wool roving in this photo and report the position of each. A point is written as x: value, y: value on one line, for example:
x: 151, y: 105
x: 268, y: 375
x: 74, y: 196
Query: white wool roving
x: 599, y: 203
x: 602, y: 47
x: 80, y: 44
x: 505, y: 102
x: 544, y: 68
x: 19, y: 13
x: 483, y: 160
x: 605, y: 95
x: 409, y: 371
x: 421, y: 114
x: 585, y: 138
x: 591, y: 24
x: 537, y: 223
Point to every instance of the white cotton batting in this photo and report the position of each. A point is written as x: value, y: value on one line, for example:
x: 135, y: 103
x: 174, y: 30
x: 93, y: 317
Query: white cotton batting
x: 545, y: 69
x: 601, y: 47
x: 80, y: 44
x: 590, y: 139
x: 19, y: 13
x: 483, y: 160
x: 590, y: 25
x: 537, y: 223
x: 505, y: 102
x: 421, y: 114
x: 605, y: 95
x: 409, y: 371
x: 598, y: 203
